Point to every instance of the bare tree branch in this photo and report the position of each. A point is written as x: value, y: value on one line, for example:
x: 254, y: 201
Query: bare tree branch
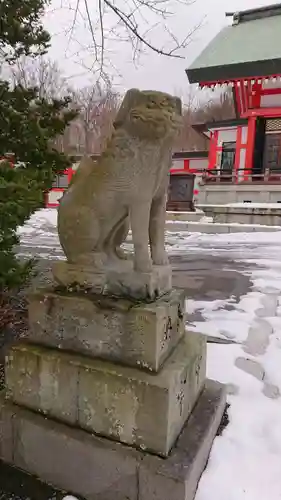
x: 98, y: 106
x: 102, y: 32
x: 41, y: 73
x: 126, y: 20
x: 200, y: 111
x: 91, y: 27
x: 74, y: 22
x: 138, y: 23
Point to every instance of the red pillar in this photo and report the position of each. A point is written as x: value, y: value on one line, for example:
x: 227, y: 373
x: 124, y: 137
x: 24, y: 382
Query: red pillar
x: 213, y: 150
x: 237, y: 154
x: 250, y: 146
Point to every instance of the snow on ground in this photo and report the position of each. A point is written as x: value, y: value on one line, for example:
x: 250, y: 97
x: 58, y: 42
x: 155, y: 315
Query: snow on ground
x: 40, y: 221
x: 254, y: 205
x: 223, y: 322
x: 247, y: 204
x: 245, y: 461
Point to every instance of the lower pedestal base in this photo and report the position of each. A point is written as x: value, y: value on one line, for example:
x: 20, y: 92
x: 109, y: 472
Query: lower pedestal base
x: 99, y: 469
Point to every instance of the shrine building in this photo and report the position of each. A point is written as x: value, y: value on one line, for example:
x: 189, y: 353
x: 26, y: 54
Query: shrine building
x: 244, y: 159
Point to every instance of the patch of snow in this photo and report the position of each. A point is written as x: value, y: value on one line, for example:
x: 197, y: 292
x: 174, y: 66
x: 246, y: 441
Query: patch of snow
x: 243, y: 204
x: 264, y: 279
x: 40, y: 220
x: 209, y: 220
x: 184, y: 212
x: 175, y: 221
x: 206, y: 220
x: 191, y: 305
x: 253, y: 205
x: 254, y: 238
x: 245, y: 460
x: 223, y: 322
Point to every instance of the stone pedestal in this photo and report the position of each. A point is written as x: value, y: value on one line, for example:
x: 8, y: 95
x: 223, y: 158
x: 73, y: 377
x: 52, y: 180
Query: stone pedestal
x: 136, y: 334
x: 124, y: 371
x: 121, y: 281
x: 100, y: 469
x: 118, y: 402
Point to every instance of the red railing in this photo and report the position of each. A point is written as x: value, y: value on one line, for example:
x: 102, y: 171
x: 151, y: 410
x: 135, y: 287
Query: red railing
x: 241, y: 175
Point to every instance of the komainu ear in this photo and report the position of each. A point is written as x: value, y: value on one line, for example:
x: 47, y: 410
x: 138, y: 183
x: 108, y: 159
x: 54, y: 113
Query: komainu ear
x: 178, y: 105
x: 131, y: 99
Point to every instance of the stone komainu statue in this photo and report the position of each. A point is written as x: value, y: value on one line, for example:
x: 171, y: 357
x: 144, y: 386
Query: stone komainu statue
x: 126, y: 186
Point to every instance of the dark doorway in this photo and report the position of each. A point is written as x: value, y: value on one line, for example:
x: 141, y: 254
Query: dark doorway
x: 227, y: 161
x: 258, y: 164
x: 272, y: 149
x: 272, y: 153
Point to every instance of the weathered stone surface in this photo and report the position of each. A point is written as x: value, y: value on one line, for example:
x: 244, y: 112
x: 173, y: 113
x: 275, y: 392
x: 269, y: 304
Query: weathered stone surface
x: 126, y: 404
x: 120, y: 280
x: 138, y: 285
x: 6, y: 430
x: 42, y: 381
x: 140, y: 335
x: 127, y: 186
x: 99, y: 469
x: 177, y: 477
x: 68, y: 275
x: 68, y: 458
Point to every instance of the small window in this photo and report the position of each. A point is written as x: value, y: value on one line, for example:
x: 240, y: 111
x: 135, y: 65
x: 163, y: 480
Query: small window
x: 61, y: 181
x: 272, y: 157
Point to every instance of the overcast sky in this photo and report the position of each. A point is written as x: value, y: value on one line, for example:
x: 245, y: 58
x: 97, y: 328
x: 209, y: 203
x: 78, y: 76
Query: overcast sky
x: 153, y: 71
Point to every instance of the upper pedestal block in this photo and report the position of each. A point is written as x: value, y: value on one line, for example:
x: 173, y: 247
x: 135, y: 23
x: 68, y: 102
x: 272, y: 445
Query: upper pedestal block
x: 119, y: 330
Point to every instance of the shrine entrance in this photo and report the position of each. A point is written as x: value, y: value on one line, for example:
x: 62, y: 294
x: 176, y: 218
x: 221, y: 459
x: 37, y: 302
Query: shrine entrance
x: 267, y: 151
x: 227, y: 161
x: 272, y: 148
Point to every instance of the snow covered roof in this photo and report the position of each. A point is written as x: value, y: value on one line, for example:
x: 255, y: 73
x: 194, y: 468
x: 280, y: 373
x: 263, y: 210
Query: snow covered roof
x: 250, y: 48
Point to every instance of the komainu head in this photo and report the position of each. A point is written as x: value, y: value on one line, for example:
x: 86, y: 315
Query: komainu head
x: 150, y: 115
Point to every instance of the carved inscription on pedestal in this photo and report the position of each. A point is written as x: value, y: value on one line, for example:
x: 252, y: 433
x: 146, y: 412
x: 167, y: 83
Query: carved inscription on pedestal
x: 167, y: 334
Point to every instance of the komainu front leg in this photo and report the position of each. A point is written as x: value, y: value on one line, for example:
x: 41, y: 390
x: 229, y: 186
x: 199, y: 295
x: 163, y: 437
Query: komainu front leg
x: 157, y: 231
x: 139, y: 216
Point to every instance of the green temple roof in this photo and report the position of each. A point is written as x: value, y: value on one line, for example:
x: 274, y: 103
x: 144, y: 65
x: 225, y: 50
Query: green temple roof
x: 250, y: 48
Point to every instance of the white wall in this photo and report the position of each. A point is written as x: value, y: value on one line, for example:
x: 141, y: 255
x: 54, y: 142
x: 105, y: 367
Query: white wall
x: 229, y: 135
x: 270, y: 101
x: 242, y: 163
x: 244, y: 136
x: 198, y: 163
x: 219, y: 194
x: 54, y: 196
x: 271, y: 84
x: 178, y: 164
x: 194, y: 163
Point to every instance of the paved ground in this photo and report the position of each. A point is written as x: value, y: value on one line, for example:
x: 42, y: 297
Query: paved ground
x: 194, y: 271
x: 14, y: 485
x: 204, y: 277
